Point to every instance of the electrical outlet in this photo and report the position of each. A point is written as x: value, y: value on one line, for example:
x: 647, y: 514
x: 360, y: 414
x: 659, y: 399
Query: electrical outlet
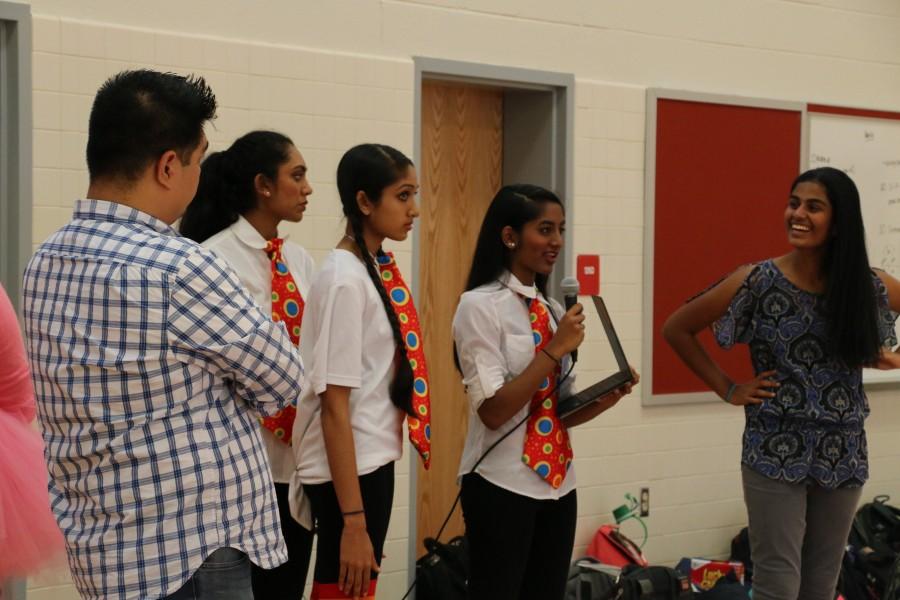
x: 645, y: 502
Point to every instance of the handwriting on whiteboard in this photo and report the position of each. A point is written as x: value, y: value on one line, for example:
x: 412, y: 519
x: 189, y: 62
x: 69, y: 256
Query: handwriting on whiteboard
x: 869, y: 150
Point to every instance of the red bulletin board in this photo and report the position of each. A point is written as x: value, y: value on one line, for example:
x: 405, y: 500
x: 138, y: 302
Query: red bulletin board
x: 718, y: 173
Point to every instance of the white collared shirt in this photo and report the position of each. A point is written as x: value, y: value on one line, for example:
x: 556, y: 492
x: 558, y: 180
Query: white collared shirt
x: 350, y: 343
x: 243, y: 248
x: 494, y: 342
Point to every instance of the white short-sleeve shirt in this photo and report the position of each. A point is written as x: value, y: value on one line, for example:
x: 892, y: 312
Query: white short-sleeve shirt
x: 348, y: 341
x: 494, y: 343
x: 243, y: 248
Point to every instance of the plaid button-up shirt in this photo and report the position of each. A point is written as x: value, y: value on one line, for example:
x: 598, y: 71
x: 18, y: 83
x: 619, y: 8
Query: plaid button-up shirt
x: 150, y: 365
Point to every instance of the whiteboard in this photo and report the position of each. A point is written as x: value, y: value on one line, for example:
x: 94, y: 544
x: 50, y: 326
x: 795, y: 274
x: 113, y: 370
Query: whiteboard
x: 867, y: 149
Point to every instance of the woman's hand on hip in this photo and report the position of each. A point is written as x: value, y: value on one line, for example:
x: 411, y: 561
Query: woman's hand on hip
x: 887, y: 360
x: 756, y: 391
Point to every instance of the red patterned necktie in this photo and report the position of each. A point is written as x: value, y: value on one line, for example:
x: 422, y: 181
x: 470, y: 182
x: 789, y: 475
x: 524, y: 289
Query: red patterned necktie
x: 420, y: 425
x: 547, y: 448
x: 287, y: 306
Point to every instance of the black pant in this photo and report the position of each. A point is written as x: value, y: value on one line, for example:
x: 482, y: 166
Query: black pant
x: 519, y: 547
x: 377, y: 490
x: 288, y: 580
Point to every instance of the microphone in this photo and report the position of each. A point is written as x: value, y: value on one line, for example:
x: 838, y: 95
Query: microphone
x: 569, y: 287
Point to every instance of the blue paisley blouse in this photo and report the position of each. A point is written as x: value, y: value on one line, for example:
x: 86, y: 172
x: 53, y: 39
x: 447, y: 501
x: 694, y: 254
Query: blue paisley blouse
x: 812, y: 430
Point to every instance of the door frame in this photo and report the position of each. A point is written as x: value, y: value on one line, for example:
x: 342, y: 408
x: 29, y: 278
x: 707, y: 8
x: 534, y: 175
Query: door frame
x: 562, y: 171
x: 15, y: 146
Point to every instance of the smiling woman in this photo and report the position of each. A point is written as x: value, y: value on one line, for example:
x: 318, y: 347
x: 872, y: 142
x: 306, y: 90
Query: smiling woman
x: 808, y: 216
x: 513, y: 344
x: 813, y: 318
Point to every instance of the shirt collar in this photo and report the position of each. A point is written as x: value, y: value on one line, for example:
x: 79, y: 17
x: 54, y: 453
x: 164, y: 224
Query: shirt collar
x: 512, y: 282
x: 114, y: 212
x: 249, y: 236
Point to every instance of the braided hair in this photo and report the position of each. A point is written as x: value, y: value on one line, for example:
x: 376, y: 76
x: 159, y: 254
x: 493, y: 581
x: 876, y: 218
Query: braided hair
x: 227, y: 187
x: 371, y: 168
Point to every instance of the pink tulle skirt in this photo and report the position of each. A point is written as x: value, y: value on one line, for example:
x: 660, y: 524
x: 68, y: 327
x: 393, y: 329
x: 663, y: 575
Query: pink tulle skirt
x: 29, y: 536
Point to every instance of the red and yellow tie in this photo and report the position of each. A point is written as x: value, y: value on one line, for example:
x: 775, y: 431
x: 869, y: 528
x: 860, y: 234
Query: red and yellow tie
x: 548, y: 450
x: 287, y: 306
x: 419, y: 426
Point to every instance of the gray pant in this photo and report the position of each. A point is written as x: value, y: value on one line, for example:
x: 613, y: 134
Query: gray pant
x: 797, y: 536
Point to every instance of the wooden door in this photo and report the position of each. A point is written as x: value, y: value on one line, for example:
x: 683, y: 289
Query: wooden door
x: 461, y: 170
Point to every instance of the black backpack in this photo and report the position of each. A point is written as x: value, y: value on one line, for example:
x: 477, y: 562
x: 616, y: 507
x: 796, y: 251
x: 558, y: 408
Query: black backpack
x: 852, y: 582
x: 443, y: 572
x: 877, y: 526
x: 591, y: 580
x: 654, y: 583
x: 875, y: 539
x: 892, y: 590
x: 740, y: 551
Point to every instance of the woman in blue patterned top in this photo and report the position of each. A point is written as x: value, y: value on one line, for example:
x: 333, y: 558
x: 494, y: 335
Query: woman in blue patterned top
x: 813, y: 318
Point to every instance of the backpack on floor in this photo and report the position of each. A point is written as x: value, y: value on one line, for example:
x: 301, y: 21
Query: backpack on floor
x: 740, y: 551
x: 852, y: 581
x: 877, y: 526
x: 443, y: 572
x: 892, y: 588
x: 611, y: 547
x: 654, y: 583
x: 591, y: 580
x: 875, y: 538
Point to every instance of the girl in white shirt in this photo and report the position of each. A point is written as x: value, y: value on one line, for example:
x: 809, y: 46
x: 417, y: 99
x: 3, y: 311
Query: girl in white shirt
x: 513, y: 345
x: 244, y: 193
x: 361, y: 380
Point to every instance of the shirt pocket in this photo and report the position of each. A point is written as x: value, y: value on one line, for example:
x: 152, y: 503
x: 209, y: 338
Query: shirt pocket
x: 518, y: 349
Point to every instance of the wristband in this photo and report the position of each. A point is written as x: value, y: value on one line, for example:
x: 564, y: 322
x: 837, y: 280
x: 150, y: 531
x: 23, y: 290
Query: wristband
x: 553, y: 358
x: 350, y: 513
x: 730, y: 392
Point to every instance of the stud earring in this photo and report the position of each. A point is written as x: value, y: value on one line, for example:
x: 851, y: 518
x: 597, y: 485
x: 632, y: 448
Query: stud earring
x: 267, y: 193
x: 510, y: 245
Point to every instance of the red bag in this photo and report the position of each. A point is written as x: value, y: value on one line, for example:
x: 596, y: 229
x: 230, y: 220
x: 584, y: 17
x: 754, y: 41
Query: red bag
x: 611, y: 547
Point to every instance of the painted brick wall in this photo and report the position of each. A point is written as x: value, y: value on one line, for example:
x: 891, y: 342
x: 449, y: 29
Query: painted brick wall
x: 334, y: 74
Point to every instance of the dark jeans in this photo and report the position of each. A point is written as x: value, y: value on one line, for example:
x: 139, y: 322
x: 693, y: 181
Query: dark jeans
x: 519, y: 547
x: 224, y: 575
x: 377, y: 490
x: 288, y: 580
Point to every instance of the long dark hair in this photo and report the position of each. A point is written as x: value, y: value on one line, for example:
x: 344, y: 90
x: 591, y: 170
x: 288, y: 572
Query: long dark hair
x: 371, y: 168
x: 227, y: 187
x: 851, y: 308
x: 513, y: 206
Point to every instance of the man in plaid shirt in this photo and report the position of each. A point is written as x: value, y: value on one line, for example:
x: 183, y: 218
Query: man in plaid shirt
x: 151, y: 364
